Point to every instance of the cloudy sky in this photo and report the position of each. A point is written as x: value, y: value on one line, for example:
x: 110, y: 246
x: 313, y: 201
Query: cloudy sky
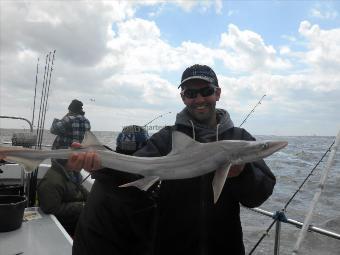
x: 124, y: 60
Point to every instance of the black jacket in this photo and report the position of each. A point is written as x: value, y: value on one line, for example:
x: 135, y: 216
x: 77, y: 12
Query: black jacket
x: 115, y: 220
x: 60, y: 195
x: 185, y: 221
x: 189, y: 221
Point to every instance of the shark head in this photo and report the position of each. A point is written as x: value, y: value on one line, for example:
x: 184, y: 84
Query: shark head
x: 257, y: 150
x: 241, y: 152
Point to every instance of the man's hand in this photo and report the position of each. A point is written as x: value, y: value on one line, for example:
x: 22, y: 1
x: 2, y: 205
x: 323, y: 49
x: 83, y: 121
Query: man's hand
x: 89, y: 161
x: 235, y: 170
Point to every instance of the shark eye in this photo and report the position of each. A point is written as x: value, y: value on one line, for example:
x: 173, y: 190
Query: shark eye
x: 265, y: 146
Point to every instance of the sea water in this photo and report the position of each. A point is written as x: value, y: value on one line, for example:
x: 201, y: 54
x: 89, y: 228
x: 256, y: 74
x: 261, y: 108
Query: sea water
x: 290, y: 166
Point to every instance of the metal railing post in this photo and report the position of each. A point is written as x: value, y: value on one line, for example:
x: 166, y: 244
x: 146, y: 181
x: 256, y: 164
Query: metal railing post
x: 277, y: 237
x: 298, y: 224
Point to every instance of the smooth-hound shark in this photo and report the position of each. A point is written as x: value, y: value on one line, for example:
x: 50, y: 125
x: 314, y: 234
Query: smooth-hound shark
x: 187, y: 159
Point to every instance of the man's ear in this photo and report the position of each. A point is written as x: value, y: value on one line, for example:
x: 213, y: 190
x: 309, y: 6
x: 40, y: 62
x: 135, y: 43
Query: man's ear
x: 182, y: 96
x: 218, y: 93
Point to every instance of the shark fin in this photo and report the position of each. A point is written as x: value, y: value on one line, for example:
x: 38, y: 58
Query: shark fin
x: 143, y: 183
x: 180, y: 142
x: 90, y: 140
x: 221, y: 175
x: 29, y: 164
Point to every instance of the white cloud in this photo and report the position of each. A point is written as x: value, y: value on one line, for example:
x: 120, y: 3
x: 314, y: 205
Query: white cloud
x: 289, y: 38
x: 232, y: 12
x: 202, y: 5
x: 138, y: 47
x: 323, y: 13
x: 74, y: 29
x: 323, y: 53
x: 284, y: 50
x: 218, y: 6
x: 246, y: 50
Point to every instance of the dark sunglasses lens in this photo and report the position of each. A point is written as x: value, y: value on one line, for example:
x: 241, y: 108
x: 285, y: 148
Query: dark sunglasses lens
x: 205, y: 92
x: 208, y: 91
x: 190, y: 93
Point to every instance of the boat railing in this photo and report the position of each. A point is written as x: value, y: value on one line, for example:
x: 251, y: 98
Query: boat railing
x: 18, y: 118
x: 280, y: 217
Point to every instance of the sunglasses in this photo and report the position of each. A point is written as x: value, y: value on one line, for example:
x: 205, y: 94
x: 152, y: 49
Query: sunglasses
x: 204, y: 92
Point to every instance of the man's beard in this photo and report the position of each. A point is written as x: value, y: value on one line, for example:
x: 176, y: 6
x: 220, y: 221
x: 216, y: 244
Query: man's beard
x: 204, y: 117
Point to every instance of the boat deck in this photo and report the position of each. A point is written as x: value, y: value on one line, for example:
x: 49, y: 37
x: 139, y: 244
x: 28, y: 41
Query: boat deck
x: 39, y: 234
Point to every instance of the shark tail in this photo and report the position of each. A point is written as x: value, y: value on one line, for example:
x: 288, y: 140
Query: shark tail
x: 29, y: 164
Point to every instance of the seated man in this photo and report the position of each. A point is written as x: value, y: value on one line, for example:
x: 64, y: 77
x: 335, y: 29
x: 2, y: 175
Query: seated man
x: 61, y: 193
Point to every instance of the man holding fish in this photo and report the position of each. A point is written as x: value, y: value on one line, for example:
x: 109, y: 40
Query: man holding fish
x: 189, y: 220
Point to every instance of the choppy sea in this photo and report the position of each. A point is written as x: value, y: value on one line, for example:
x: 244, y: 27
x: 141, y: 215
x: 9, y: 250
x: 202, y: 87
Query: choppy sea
x: 290, y: 166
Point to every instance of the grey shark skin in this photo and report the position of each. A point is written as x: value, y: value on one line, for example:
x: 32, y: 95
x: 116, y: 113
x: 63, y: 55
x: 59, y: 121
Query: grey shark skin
x: 187, y: 159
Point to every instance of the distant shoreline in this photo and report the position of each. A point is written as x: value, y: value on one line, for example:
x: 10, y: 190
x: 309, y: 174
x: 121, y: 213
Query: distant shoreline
x: 117, y: 131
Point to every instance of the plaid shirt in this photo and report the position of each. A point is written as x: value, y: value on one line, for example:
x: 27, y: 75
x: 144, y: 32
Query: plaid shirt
x: 69, y: 129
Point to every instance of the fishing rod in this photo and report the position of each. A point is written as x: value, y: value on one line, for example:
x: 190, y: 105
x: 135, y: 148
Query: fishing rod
x: 42, y: 124
x: 263, y: 236
x: 48, y: 90
x: 35, y: 90
x: 281, y: 213
x: 41, y: 98
x: 253, y: 110
x: 30, y: 189
x: 309, y: 175
x: 32, y: 178
x: 317, y: 195
x: 44, y: 101
x: 159, y: 116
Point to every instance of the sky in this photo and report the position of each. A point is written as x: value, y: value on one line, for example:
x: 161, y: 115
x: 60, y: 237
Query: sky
x: 124, y: 61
